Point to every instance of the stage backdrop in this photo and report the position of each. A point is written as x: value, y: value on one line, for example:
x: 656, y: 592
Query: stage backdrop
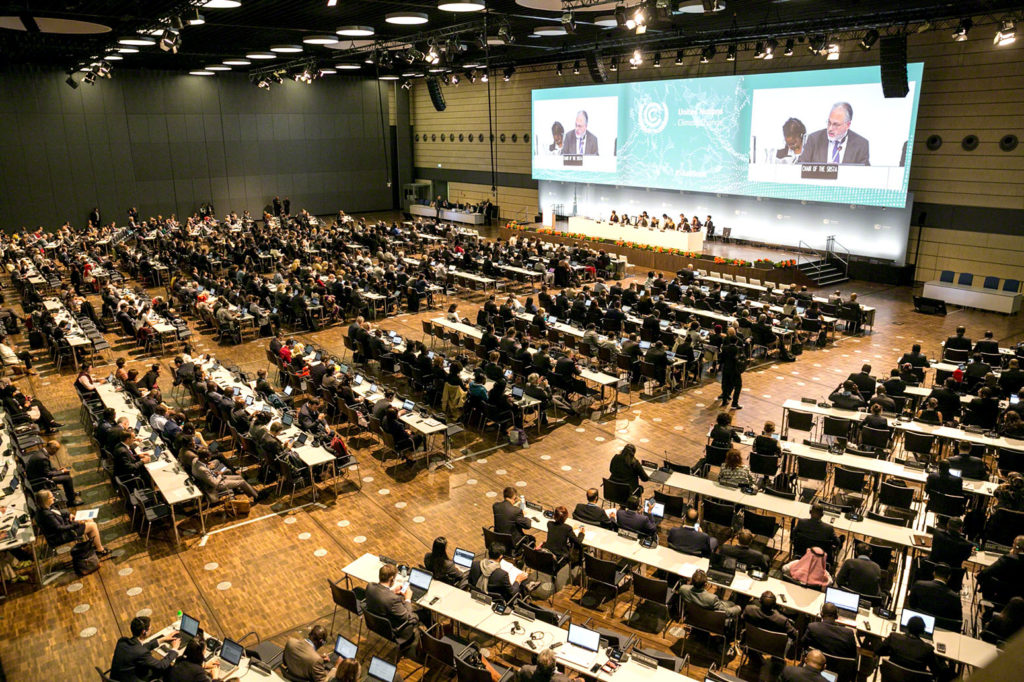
x: 759, y: 135
x: 874, y: 232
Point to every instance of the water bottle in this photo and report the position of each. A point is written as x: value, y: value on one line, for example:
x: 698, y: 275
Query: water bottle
x: 522, y: 502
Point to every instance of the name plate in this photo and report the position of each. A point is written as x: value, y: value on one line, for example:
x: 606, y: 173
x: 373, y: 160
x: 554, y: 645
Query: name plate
x: 572, y: 160
x: 819, y: 171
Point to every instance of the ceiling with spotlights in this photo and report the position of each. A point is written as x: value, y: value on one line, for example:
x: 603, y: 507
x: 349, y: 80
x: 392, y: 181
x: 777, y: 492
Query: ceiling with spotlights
x: 70, y: 33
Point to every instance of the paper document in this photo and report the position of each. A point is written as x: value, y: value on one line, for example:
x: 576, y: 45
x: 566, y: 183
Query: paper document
x: 86, y: 514
x: 513, y: 572
x: 742, y: 583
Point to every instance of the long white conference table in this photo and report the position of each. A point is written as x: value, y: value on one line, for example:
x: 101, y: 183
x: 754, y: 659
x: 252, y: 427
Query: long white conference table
x: 448, y: 214
x: 669, y: 239
x: 457, y: 605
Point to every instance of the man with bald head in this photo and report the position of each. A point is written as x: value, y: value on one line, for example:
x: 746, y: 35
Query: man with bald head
x: 836, y: 143
x: 580, y: 142
x: 810, y: 671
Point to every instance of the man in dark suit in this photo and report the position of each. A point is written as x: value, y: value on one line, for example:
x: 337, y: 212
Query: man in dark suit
x: 487, y: 574
x: 509, y: 518
x: 942, y: 482
x: 382, y: 600
x: 134, y: 661
x: 987, y: 345
x: 860, y: 574
x: 744, y: 553
x: 39, y: 468
x: 847, y: 397
x: 894, y: 385
x: 813, y: 532
x: 949, y: 400
x: 959, y: 342
x: 863, y: 380
x: 582, y: 142
x: 836, y: 143
x: 810, y: 671
x: 936, y: 598
x: 764, y: 614
x: 881, y: 398
x: 629, y: 517
x: 1011, y: 380
x: 689, y: 539
x: 969, y: 466
x: 591, y: 512
x: 829, y: 636
x: 910, y: 651
x: 915, y: 358
x: 1007, y: 569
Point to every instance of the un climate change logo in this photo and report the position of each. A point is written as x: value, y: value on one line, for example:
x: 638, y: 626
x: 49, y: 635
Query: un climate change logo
x: 653, y: 117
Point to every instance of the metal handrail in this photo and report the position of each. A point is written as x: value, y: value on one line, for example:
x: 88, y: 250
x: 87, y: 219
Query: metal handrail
x: 802, y: 258
x: 831, y: 245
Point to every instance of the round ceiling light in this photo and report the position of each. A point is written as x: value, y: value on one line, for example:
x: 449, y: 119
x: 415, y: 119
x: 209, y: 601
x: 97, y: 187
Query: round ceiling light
x: 218, y: 67
x: 460, y: 6
x: 286, y: 48
x: 355, y: 31
x: 141, y: 41
x: 553, y: 30
x: 406, y: 18
x: 348, y: 66
x: 237, y: 62
x: 261, y: 55
x: 201, y: 72
x: 222, y: 4
x: 320, y: 40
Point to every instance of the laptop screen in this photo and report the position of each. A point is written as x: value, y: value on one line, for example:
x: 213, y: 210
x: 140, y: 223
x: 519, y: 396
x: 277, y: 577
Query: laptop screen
x: 830, y: 676
x: 381, y: 670
x: 907, y: 614
x: 644, y: 345
x: 508, y: 374
x: 235, y: 390
x: 301, y: 440
x: 248, y: 400
x: 286, y: 419
x: 358, y: 380
x: 344, y: 648
x: 189, y: 625
x: 420, y: 579
x: 232, y: 651
x: 408, y: 405
x: 584, y: 638
x: 848, y: 601
x: 956, y: 472
x: 287, y: 390
x: 464, y: 558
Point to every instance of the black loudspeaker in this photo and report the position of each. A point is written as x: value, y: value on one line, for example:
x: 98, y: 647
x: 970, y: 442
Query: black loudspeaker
x: 929, y: 306
x: 893, y: 58
x: 596, y: 66
x: 436, y: 96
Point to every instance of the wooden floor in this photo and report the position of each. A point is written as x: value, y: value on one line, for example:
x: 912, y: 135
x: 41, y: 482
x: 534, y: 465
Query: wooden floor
x: 269, y: 572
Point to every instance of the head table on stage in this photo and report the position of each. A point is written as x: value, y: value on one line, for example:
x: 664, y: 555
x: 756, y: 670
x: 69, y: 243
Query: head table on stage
x: 669, y: 239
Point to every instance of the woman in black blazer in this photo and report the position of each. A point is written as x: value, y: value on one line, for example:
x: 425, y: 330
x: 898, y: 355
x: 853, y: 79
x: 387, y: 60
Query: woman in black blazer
x: 562, y: 541
x: 440, y: 566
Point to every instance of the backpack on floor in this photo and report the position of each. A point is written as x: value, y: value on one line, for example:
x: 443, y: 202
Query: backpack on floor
x: 84, y: 558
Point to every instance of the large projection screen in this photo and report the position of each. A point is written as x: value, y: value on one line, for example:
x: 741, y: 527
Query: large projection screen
x: 824, y: 136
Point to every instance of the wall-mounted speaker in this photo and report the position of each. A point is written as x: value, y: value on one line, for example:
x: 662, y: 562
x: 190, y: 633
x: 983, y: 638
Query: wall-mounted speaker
x: 1008, y: 143
x: 892, y: 55
x: 596, y: 66
x: 933, y: 142
x: 969, y: 143
x: 436, y: 96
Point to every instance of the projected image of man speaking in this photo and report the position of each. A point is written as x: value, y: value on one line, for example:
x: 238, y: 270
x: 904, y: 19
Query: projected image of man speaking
x: 581, y: 142
x: 837, y: 143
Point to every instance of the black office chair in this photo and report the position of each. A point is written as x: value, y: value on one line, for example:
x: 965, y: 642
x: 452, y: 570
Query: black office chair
x: 764, y: 465
x: 942, y: 504
x: 675, y: 505
x: 714, y: 623
x: 811, y: 470
x: 615, y: 492
x: 875, y: 438
x: 1003, y: 526
x: 764, y: 642
x: 892, y: 672
x: 468, y: 672
x: 837, y: 427
x: 798, y: 421
x: 919, y: 444
x: 440, y: 647
x: 656, y: 594
x: 718, y: 513
x: 763, y: 526
x: 849, y: 486
x: 544, y: 563
x: 897, y: 498
x: 347, y: 599
x: 714, y: 456
x: 844, y: 668
x: 1010, y: 460
x: 606, y: 574
x: 512, y: 546
x: 381, y: 626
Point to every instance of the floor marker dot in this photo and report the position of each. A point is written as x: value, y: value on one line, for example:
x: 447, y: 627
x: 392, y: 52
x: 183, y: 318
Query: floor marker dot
x: 490, y: 493
x: 212, y: 566
x: 305, y: 536
x: 224, y: 586
x: 81, y: 608
x: 566, y: 467
x: 419, y: 519
x: 320, y: 552
x: 290, y: 520
x: 87, y: 633
x: 359, y: 539
x: 343, y: 524
x: 127, y: 570
x: 384, y: 491
x: 520, y: 484
x: 134, y: 591
x: 75, y: 587
x: 401, y: 505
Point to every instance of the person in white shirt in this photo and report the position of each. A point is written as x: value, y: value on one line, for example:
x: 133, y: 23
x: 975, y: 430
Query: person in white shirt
x: 21, y: 361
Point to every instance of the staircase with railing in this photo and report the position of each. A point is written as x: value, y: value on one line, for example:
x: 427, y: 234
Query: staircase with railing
x: 827, y: 267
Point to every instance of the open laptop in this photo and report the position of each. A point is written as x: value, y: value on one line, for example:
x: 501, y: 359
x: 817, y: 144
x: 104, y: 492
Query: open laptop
x: 408, y: 406
x: 287, y: 419
x: 188, y: 630
x: 517, y: 392
x: 463, y: 558
x: 645, y: 345
x: 929, y: 622
x: 230, y: 656
x: 655, y: 509
x: 13, y: 531
x: 344, y: 648
x: 653, y: 471
x: 958, y: 473
x: 581, y: 647
x: 419, y: 583
x: 381, y: 670
x: 288, y: 390
x: 722, y: 570
x: 846, y: 602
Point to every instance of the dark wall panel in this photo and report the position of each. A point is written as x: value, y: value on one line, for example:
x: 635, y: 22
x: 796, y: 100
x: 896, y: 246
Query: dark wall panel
x: 167, y: 142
